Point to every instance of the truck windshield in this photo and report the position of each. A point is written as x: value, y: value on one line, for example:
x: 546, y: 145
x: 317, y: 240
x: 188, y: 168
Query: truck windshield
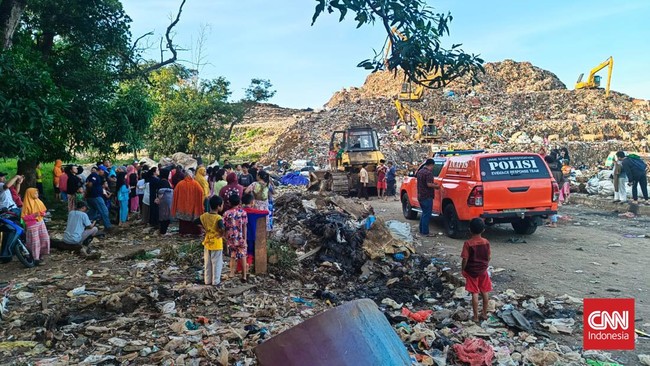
x: 513, y: 167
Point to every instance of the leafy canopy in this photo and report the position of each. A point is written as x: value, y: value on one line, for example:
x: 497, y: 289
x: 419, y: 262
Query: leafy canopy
x: 414, y: 32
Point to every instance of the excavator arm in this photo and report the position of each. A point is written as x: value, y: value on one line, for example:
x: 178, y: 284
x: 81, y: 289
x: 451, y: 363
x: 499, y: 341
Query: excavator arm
x: 593, y: 82
x: 426, y: 130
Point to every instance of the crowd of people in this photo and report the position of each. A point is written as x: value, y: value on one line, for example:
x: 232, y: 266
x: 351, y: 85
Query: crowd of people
x: 150, y: 195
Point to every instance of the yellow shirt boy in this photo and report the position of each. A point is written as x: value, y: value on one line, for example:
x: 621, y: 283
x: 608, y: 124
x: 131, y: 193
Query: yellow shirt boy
x: 213, y: 225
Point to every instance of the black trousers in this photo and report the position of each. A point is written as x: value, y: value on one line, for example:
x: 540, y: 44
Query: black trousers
x: 362, y: 191
x: 643, y: 181
x: 163, y: 226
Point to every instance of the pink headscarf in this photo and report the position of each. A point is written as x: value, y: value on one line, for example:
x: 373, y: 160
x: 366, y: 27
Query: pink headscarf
x: 129, y: 171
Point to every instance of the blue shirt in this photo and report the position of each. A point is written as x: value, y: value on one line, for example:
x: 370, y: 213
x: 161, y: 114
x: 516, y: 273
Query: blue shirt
x: 97, y: 184
x: 391, y: 173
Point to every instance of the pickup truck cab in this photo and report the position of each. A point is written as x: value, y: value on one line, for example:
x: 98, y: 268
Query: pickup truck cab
x: 516, y: 188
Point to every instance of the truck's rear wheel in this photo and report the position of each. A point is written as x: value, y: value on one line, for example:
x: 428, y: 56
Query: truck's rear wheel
x: 454, y: 227
x: 407, y: 209
x: 525, y: 226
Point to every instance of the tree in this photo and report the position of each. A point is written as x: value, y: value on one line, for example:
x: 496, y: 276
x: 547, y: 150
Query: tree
x: 130, y: 114
x: 259, y: 90
x: 192, y: 113
x: 414, y: 39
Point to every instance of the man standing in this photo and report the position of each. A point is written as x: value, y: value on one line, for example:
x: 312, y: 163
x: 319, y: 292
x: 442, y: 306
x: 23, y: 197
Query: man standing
x: 391, y: 180
x: 245, y: 179
x: 635, y: 169
x: 95, y: 187
x: 363, y: 182
x: 425, y: 194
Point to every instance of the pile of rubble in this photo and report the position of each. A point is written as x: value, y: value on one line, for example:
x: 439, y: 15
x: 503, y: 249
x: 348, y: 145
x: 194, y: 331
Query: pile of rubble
x: 507, y: 76
x: 518, y: 107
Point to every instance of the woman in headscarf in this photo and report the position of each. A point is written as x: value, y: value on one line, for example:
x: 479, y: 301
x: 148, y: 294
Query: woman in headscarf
x: 153, y: 191
x: 38, y: 240
x: 132, y: 181
x: 219, y: 181
x: 56, y: 175
x: 72, y: 186
x: 188, y: 205
x: 203, y: 182
x: 165, y: 201
x: 232, y: 187
x: 123, y: 198
x: 260, y: 191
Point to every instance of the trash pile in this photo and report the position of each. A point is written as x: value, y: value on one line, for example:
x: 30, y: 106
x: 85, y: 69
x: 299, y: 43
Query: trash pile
x: 507, y: 76
x: 143, y: 302
x: 518, y: 107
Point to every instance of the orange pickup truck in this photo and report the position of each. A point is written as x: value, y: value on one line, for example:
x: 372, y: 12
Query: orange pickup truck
x: 515, y: 188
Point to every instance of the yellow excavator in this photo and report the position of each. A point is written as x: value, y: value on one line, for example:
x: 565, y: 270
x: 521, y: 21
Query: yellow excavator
x: 593, y: 80
x: 426, y: 129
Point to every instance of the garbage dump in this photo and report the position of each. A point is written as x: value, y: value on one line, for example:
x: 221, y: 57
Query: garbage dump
x: 142, y: 301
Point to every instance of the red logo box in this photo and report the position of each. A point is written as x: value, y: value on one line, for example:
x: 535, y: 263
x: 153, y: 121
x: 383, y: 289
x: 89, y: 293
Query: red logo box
x: 608, y: 324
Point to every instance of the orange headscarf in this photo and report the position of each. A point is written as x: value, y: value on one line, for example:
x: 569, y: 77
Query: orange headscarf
x: 32, y: 205
x: 57, y: 171
x: 188, y: 200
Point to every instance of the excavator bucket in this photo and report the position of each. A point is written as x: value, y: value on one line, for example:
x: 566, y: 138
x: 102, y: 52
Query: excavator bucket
x: 580, y: 78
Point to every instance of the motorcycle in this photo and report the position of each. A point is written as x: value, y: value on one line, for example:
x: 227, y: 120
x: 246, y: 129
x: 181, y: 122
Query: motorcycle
x: 13, y: 240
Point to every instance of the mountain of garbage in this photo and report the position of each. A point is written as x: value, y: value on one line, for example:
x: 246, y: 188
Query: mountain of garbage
x: 517, y: 106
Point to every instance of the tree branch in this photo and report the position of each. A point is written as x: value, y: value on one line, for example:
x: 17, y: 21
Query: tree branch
x: 170, y: 44
x: 135, y: 43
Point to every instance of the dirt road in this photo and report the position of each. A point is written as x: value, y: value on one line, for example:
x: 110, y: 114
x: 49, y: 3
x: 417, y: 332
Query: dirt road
x: 590, y: 254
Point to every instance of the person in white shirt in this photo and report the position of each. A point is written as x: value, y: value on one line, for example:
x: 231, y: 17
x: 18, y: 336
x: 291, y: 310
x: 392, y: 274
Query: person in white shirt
x: 6, y: 201
x: 362, y: 191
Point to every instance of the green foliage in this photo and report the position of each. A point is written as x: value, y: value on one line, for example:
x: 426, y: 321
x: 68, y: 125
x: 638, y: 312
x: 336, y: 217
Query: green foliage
x: 31, y: 108
x: 281, y: 255
x: 414, y: 31
x: 60, y: 79
x: 253, y: 132
x: 193, y: 115
x: 130, y: 114
x: 259, y: 90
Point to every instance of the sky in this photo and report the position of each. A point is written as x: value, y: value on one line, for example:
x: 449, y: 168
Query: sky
x: 306, y: 64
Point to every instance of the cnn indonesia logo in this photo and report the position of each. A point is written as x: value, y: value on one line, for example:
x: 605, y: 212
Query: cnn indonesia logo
x: 608, y: 324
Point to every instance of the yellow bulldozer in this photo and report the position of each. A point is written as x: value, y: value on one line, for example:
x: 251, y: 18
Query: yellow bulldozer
x: 356, y: 145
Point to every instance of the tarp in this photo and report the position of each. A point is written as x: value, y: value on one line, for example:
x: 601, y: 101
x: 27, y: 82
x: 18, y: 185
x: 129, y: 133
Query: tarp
x: 294, y: 179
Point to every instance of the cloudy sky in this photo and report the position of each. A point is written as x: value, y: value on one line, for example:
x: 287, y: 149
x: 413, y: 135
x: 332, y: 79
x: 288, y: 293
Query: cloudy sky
x: 306, y: 64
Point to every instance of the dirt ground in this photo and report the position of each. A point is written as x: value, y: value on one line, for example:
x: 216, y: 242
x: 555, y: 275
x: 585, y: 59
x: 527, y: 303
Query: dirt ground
x: 591, y: 254
x: 588, y: 255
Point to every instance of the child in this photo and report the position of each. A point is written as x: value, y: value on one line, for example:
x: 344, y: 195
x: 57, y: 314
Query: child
x: 214, y: 228
x: 476, y: 256
x: 33, y: 213
x: 236, y: 221
x: 123, y: 197
x: 331, y: 156
x: 381, y: 179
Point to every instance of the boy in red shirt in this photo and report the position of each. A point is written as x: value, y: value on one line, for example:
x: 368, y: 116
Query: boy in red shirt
x: 476, y: 256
